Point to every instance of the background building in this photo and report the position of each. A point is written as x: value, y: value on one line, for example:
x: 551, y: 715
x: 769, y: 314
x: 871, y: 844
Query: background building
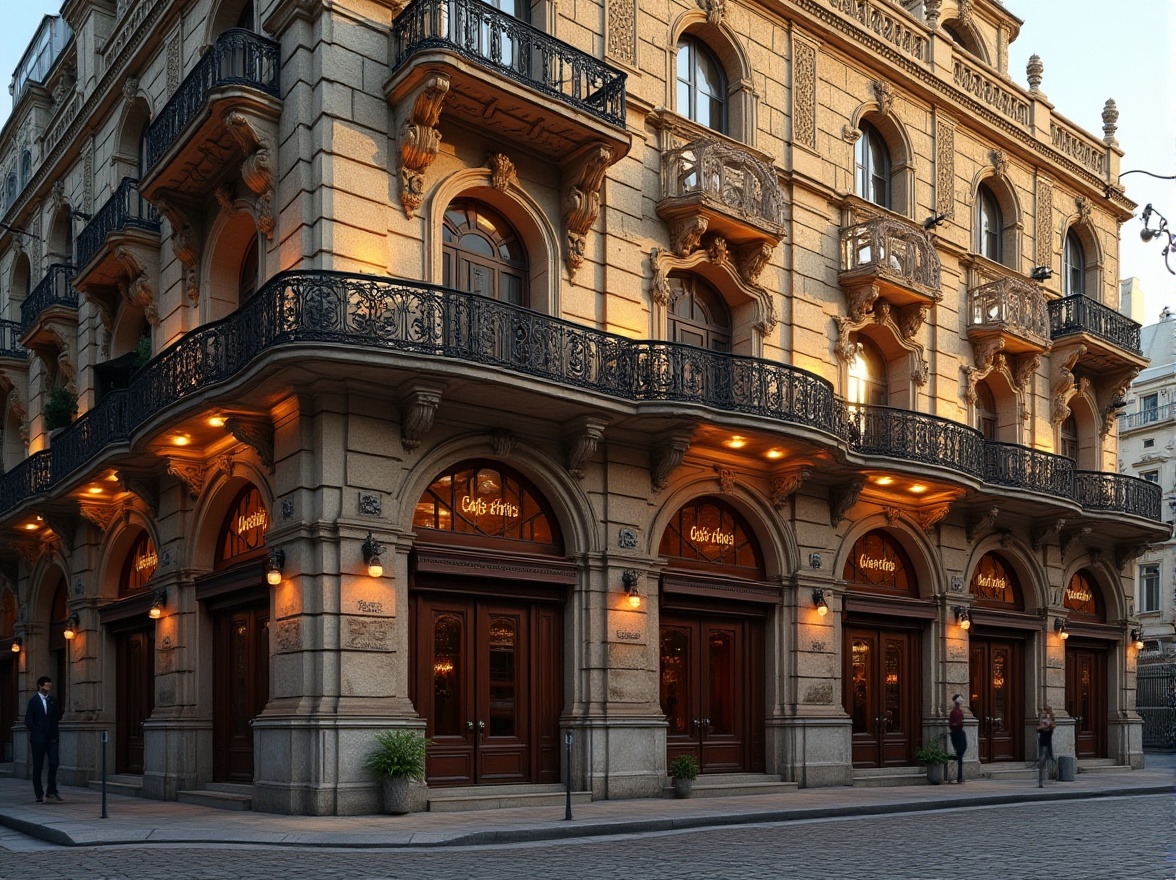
x: 717, y: 379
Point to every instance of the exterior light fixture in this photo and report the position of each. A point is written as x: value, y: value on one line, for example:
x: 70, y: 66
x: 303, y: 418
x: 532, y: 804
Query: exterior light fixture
x: 72, y: 625
x: 1137, y: 637
x: 157, y: 604
x: 1060, y: 628
x: 273, y: 566
x: 736, y: 441
x: 933, y: 221
x: 1041, y: 273
x: 962, y: 617
x: 16, y: 645
x: 371, y: 556
x: 631, y: 578
x: 1161, y: 231
x: 819, y: 602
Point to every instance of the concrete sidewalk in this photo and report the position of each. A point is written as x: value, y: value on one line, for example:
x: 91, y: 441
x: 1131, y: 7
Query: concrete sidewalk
x: 78, y: 822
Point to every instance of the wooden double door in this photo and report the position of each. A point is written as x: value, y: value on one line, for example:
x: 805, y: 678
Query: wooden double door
x: 1086, y: 699
x: 135, y: 698
x: 240, y: 678
x: 488, y: 682
x: 712, y: 690
x: 881, y: 691
x: 996, y: 697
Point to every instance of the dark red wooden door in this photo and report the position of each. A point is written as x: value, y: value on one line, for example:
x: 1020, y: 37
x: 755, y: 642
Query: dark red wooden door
x: 881, y: 693
x: 241, y: 687
x: 135, y: 700
x: 1086, y: 700
x: 995, y: 698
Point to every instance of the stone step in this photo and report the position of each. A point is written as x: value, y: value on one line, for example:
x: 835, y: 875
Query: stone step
x: 125, y: 784
x: 468, y: 798
x: 710, y: 785
x: 1102, y: 765
x: 1010, y: 770
x: 220, y: 800
x: 883, y: 777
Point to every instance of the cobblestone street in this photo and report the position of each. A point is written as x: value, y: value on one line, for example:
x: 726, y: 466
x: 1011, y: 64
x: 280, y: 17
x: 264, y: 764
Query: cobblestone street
x: 1105, y: 839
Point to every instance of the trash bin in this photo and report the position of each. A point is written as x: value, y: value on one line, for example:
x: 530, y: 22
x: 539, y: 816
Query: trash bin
x: 1067, y: 766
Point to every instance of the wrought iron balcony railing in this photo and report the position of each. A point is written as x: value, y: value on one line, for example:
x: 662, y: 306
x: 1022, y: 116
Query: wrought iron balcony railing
x: 1013, y: 306
x: 10, y: 347
x: 885, y: 248
x: 239, y: 57
x: 54, y: 290
x: 729, y: 177
x: 1081, y: 314
x: 495, y: 39
x: 1097, y: 490
x: 1151, y: 416
x: 124, y: 209
x: 362, y: 312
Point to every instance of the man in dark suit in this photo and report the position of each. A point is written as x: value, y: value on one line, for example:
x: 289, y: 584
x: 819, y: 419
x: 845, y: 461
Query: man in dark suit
x: 41, y: 720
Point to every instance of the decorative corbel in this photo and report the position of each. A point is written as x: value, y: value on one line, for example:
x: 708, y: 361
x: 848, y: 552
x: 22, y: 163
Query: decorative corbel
x: 503, y: 442
x: 143, y: 487
x: 750, y: 260
x: 420, y: 140
x: 726, y: 480
x: 841, y: 500
x: 989, y: 357
x: 1000, y: 163
x: 1024, y: 369
x: 1117, y: 395
x: 257, y: 169
x: 659, y: 290
x: 1125, y: 553
x: 30, y: 551
x: 191, y: 473
x: 581, y: 441
x: 502, y: 172
x: 859, y: 301
x: 716, y: 11
x: 137, y: 289
x: 183, y: 243
x: 64, y: 526
x: 226, y: 198
x: 1069, y: 537
x: 716, y: 251
x: 893, y: 515
x: 226, y: 462
x: 1083, y: 205
x: 1006, y: 539
x: 417, y: 411
x: 1062, y: 381
x: 257, y: 434
x: 884, y: 95
x: 911, y: 318
x: 784, y: 486
x: 1048, y: 533
x: 664, y: 457
x: 582, y: 202
x: 100, y: 515
x: 977, y: 527
x: 686, y: 233
x: 930, y: 517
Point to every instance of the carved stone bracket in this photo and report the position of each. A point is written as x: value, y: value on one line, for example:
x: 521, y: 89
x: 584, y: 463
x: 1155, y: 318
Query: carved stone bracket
x: 1125, y: 553
x: 502, y: 172
x: 503, y: 442
x: 1069, y: 537
x: 989, y: 357
x: 191, y: 473
x: 663, y: 262
x: 257, y: 435
x: 980, y: 525
x: 726, y: 480
x: 183, y: 243
x: 226, y: 462
x: 420, y: 140
x: 686, y: 234
x: 101, y: 515
x: 1118, y: 391
x: 665, y: 457
x: 841, y: 500
x: 582, y: 201
x: 581, y: 440
x: 784, y: 486
x: 417, y: 411
x: 143, y: 487
x: 930, y: 517
x: 716, y: 11
x: 137, y: 288
x: 884, y: 95
x: 64, y: 526
x: 257, y: 169
x: 1062, y: 382
x: 30, y: 551
x: 1048, y: 533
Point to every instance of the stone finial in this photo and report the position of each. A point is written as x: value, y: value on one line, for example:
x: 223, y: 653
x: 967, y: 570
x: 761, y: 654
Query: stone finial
x: 1110, y: 116
x: 1034, y: 69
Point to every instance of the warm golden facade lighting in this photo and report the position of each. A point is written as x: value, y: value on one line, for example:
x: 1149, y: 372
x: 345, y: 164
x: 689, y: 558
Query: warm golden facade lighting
x: 736, y: 442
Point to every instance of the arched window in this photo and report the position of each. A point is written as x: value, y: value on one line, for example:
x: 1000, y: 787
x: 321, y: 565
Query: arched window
x: 989, y: 224
x: 1068, y: 434
x: 245, y: 19
x: 482, y: 253
x: 698, y: 315
x: 26, y: 168
x: 247, y: 283
x: 873, y: 166
x: 10, y: 190
x: 867, y: 375
x: 702, y: 85
x: 986, y: 420
x: 964, y: 37
x: 1074, y: 258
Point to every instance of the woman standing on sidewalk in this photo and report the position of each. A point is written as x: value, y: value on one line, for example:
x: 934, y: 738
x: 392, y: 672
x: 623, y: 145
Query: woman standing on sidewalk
x: 1045, y: 728
x: 959, y: 739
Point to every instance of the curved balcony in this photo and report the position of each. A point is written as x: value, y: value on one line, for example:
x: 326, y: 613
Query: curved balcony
x: 10, y: 347
x: 887, y: 258
x: 1111, y: 339
x: 225, y: 109
x: 125, y: 221
x: 1011, y: 310
x: 53, y: 298
x: 911, y: 436
x: 505, y: 77
x: 1019, y: 467
x: 1096, y: 490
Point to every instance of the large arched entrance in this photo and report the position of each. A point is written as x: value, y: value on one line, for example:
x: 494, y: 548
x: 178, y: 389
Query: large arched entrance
x: 881, y: 651
x: 714, y: 604
x: 1089, y: 640
x: 236, y: 600
x: 486, y: 611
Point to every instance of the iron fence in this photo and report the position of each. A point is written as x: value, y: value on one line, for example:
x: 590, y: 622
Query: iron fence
x: 1155, y: 701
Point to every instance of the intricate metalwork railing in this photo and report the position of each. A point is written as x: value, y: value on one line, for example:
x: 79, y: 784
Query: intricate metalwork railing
x: 725, y: 174
x: 1015, y: 304
x: 886, y: 248
x: 489, y: 37
x: 10, y: 347
x: 239, y: 57
x: 28, y: 478
x: 1081, y: 314
x: 1096, y: 490
x: 912, y: 436
x: 54, y: 290
x: 1008, y: 464
x: 124, y: 209
x: 1155, y: 701
x: 1155, y: 415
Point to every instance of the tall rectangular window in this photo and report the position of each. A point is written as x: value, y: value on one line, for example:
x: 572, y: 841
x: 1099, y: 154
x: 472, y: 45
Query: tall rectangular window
x: 1149, y: 405
x: 1149, y: 588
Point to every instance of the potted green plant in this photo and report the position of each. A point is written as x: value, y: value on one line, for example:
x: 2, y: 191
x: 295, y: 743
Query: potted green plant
x: 683, y: 770
x: 399, y: 760
x: 60, y: 408
x: 934, y: 756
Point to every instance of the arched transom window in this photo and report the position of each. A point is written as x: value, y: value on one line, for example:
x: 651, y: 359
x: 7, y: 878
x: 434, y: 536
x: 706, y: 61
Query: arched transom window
x: 482, y: 253
x: 709, y: 533
x: 1074, y: 257
x: 872, y: 158
x: 989, y: 225
x: 702, y: 85
x: 698, y: 315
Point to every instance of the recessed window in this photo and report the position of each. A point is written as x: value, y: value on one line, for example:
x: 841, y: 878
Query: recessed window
x: 702, y: 85
x: 1074, y: 258
x: 1149, y: 407
x: 1149, y: 588
x: 698, y: 315
x: 989, y: 224
x: 1149, y: 443
x: 867, y: 375
x: 1151, y: 476
x: 1069, y: 438
x: 482, y: 253
x: 872, y: 159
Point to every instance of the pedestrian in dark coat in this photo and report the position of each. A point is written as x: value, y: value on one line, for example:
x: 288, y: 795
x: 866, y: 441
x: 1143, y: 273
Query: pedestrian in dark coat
x: 41, y: 720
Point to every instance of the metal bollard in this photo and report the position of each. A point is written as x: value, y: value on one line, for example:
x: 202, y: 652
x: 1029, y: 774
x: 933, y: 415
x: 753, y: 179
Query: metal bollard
x: 568, y: 776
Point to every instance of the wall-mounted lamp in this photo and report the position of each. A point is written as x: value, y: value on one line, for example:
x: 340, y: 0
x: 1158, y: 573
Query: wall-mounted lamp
x: 16, y: 645
x: 371, y: 556
x: 157, y: 604
x: 72, y: 625
x: 933, y: 221
x: 1161, y: 231
x: 962, y: 617
x: 1041, y: 273
x: 273, y: 566
x: 1060, y: 628
x: 630, y: 578
x: 1137, y: 637
x: 819, y: 602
